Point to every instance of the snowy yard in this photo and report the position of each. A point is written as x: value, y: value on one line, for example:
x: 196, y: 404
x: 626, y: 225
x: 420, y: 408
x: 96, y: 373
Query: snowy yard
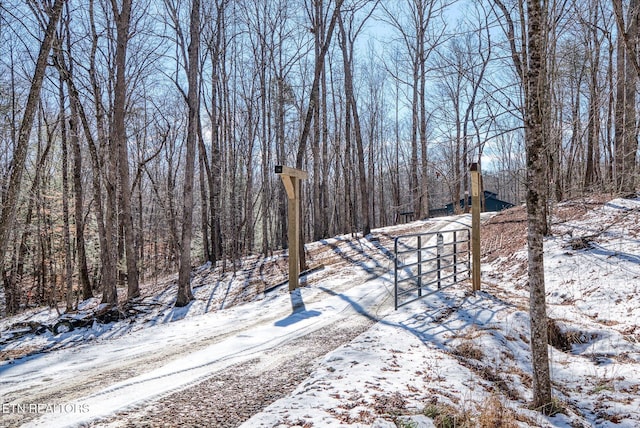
x: 453, y: 358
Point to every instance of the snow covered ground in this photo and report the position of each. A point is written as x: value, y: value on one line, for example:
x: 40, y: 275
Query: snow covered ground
x: 452, y: 359
x: 461, y: 357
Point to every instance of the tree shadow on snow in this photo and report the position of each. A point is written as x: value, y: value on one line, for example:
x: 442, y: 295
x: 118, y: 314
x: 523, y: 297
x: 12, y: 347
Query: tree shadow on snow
x: 299, y: 309
x: 441, y: 317
x: 620, y: 255
x: 359, y: 255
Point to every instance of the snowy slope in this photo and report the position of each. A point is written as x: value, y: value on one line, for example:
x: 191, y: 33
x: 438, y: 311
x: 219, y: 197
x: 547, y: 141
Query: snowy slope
x: 452, y: 358
x: 98, y: 371
x: 465, y: 358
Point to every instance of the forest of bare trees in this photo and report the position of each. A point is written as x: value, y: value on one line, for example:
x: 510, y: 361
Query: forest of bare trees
x: 139, y: 137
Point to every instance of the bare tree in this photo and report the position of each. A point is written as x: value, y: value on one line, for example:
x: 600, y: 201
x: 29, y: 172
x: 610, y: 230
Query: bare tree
x: 103, y: 170
x: 65, y: 69
x: 595, y: 38
x: 64, y: 137
x: 314, y: 100
x: 463, y: 67
x: 628, y: 69
x: 530, y: 64
x: 10, y: 201
x: 419, y: 36
x: 185, y: 295
x: 347, y: 41
x: 120, y: 143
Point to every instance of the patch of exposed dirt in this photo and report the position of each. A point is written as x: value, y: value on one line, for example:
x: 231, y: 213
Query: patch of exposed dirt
x: 576, y: 209
x: 506, y: 232
x: 13, y: 354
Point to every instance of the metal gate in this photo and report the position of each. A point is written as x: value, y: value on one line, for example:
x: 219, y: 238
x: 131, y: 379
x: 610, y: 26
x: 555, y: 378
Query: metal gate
x: 428, y: 262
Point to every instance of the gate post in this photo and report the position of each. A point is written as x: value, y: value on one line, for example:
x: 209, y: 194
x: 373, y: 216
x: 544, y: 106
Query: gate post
x: 455, y: 257
x: 419, y: 266
x: 395, y: 273
x: 475, y: 225
x: 291, y: 179
x: 439, y: 252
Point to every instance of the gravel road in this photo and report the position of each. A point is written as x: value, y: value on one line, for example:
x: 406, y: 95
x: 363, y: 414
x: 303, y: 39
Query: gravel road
x: 220, y: 373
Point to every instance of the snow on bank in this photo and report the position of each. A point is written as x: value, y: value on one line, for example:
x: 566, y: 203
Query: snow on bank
x: 466, y: 357
x: 108, y: 368
x: 196, y: 365
x: 451, y: 358
x: 348, y: 257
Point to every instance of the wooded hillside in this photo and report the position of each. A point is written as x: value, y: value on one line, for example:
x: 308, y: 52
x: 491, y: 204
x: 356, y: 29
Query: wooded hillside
x: 131, y: 130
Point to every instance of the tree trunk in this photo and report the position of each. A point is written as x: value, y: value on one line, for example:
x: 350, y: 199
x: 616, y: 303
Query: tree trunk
x: 281, y: 157
x: 630, y: 143
x: 15, y: 276
x: 627, y: 67
x: 352, y: 106
x: 414, y: 184
x: 85, y: 284
x: 120, y: 143
x: 423, y: 192
x: 204, y: 206
x: 592, y: 169
x: 532, y: 70
x: 66, y: 77
x: 619, y: 111
x: 104, y: 215
x: 68, y: 270
x: 535, y: 115
x: 316, y: 82
x: 313, y: 101
x: 316, y: 140
x: 185, y: 295
x: 10, y: 201
x: 215, y: 175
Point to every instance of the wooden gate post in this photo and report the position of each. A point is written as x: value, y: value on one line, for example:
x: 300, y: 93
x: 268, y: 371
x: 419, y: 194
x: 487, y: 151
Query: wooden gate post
x: 475, y: 226
x: 291, y: 179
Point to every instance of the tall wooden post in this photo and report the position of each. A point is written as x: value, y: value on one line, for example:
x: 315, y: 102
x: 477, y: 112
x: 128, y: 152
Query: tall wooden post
x: 475, y: 226
x: 291, y: 179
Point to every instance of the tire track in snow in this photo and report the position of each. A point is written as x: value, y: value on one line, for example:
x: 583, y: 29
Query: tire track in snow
x: 213, y: 354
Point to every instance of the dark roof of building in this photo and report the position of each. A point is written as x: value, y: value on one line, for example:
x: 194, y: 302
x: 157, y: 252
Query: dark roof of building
x: 491, y: 198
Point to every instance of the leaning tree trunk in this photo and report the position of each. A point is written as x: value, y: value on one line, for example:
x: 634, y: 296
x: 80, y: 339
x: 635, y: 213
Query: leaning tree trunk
x: 66, y: 74
x: 10, y: 202
x: 313, y: 102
